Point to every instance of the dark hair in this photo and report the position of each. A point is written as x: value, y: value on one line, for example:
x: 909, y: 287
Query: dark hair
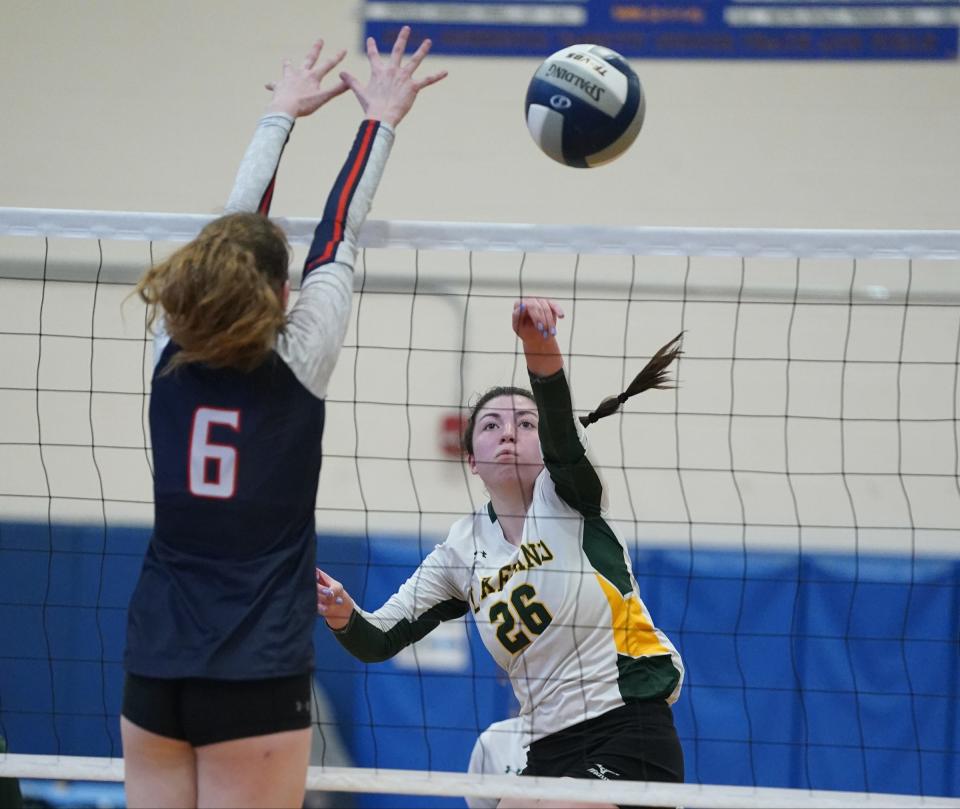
x: 500, y: 390
x: 221, y: 293
x: 653, y: 375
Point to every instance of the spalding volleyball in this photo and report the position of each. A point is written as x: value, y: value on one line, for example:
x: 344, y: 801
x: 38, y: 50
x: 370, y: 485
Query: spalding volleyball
x: 584, y: 105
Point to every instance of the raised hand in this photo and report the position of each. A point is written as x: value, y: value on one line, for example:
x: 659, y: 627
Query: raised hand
x: 535, y: 323
x: 391, y: 90
x: 298, y: 91
x: 535, y: 319
x: 333, y: 602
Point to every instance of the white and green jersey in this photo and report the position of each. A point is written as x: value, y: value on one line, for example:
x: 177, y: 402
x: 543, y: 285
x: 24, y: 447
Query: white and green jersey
x: 561, y: 612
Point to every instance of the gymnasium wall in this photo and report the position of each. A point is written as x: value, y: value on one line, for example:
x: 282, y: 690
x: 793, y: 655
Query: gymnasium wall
x: 148, y: 106
x: 810, y: 670
x: 109, y: 104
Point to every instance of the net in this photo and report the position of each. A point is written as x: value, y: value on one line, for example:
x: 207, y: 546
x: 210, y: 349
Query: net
x: 352, y: 780
x: 792, y: 507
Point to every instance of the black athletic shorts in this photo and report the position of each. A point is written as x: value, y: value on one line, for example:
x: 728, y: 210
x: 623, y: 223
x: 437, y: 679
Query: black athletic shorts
x: 636, y: 742
x: 203, y: 712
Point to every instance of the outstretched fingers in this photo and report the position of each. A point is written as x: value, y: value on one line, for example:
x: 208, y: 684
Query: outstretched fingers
x: 328, y: 64
x: 373, y: 53
x: 310, y: 65
x: 312, y: 55
x: 432, y: 79
x: 300, y: 89
x: 400, y: 46
x: 391, y: 89
x: 414, y: 62
x: 419, y: 54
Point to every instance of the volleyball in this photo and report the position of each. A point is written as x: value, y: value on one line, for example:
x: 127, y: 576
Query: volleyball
x: 584, y: 106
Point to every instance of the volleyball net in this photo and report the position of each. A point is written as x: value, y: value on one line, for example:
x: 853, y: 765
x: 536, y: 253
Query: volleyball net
x: 792, y: 508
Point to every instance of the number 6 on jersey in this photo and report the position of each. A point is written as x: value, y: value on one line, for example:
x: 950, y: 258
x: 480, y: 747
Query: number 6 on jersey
x: 204, y: 453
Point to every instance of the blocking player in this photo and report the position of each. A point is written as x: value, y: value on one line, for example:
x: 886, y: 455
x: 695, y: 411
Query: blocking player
x: 216, y: 707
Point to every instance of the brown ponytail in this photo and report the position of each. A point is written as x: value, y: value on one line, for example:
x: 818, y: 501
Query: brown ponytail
x: 221, y: 293
x: 653, y: 375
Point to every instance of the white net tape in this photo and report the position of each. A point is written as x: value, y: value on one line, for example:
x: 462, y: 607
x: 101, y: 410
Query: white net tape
x: 926, y: 244
x: 407, y: 782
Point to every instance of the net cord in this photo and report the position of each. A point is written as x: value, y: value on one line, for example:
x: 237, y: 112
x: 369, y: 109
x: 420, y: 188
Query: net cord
x: 453, y: 784
x: 669, y: 241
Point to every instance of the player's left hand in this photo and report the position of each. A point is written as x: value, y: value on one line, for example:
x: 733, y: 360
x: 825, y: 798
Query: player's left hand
x: 298, y: 91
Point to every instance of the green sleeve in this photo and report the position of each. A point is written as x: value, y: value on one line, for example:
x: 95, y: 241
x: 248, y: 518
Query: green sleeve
x: 564, y: 455
x: 371, y: 644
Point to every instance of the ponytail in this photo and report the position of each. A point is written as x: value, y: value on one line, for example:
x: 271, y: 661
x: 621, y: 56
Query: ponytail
x: 653, y: 375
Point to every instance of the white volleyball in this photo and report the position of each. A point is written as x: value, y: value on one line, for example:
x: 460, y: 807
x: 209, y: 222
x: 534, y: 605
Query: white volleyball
x: 584, y: 105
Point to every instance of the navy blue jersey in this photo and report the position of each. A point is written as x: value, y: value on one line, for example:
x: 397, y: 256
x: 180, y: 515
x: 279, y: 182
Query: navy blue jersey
x: 227, y: 587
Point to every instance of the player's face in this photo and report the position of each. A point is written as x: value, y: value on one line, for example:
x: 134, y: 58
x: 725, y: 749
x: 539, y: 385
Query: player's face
x: 506, y: 445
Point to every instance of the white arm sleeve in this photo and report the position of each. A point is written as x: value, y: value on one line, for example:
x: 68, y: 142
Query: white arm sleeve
x: 259, y: 164
x: 432, y: 585
x: 254, y: 179
x: 316, y: 326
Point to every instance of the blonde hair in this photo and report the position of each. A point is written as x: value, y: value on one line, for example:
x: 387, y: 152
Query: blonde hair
x: 221, y: 294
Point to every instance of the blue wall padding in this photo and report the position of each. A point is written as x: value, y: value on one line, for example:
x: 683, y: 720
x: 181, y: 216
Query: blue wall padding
x: 818, y: 671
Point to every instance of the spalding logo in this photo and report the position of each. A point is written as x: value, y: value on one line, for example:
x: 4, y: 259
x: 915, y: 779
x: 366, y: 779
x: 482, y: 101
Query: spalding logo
x: 559, y: 102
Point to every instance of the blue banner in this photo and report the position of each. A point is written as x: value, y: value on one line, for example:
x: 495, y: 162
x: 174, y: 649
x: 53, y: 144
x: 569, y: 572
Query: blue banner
x: 804, y: 670
x: 721, y: 29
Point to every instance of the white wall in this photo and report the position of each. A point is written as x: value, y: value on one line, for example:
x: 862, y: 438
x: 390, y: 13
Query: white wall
x: 136, y: 106
x: 111, y: 104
